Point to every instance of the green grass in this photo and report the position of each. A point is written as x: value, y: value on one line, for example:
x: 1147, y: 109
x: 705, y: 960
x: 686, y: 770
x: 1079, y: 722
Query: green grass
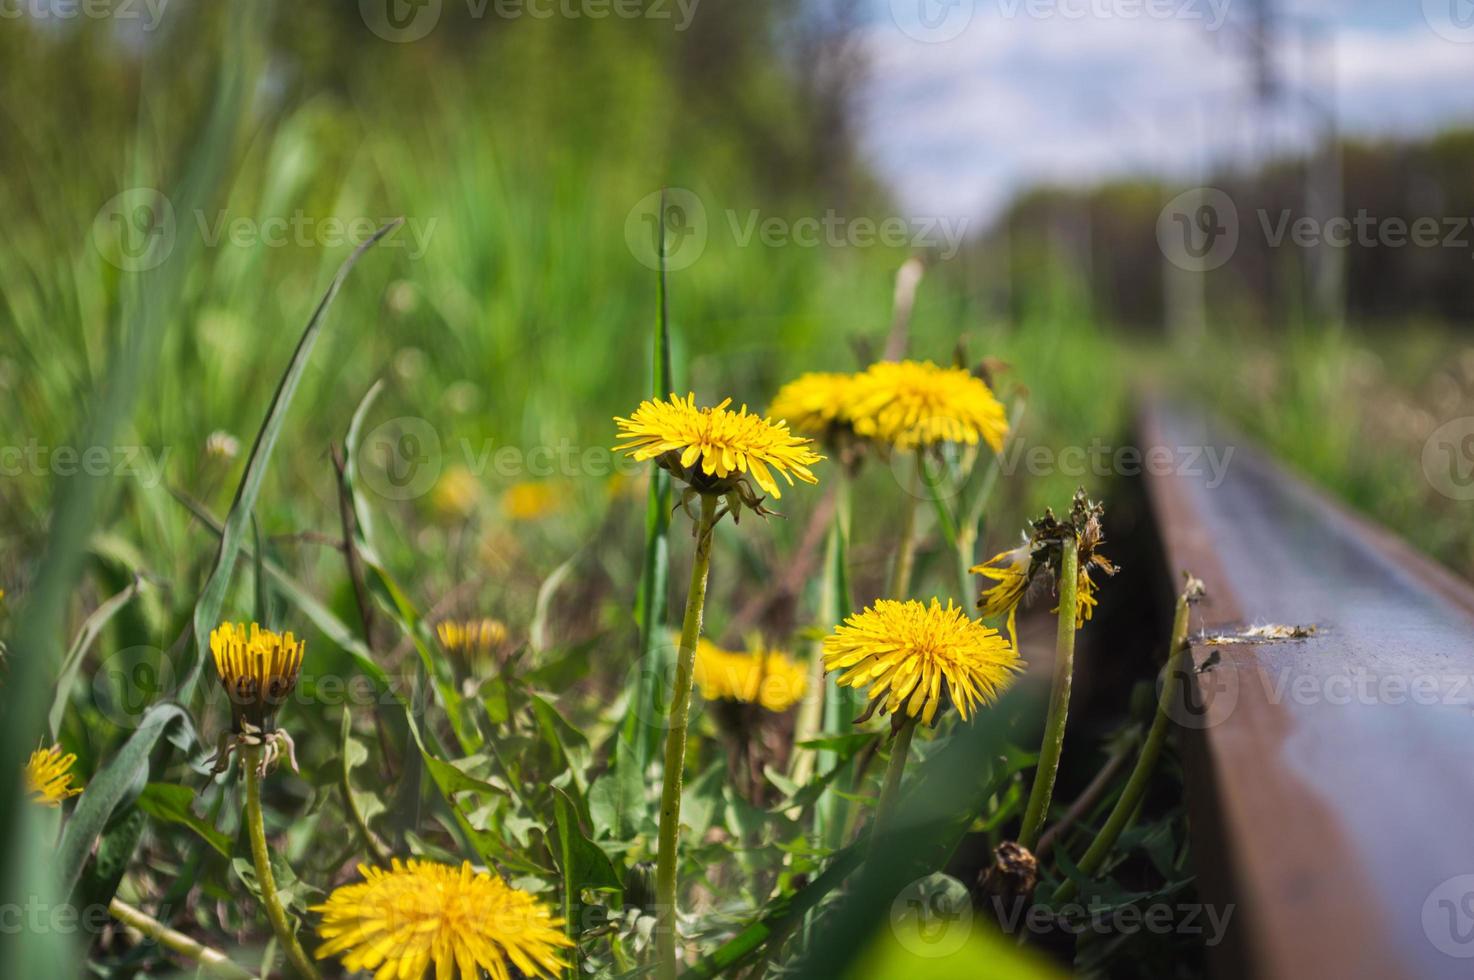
x: 525, y: 324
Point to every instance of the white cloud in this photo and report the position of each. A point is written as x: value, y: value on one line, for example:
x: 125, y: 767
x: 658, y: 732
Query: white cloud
x: 1014, y: 99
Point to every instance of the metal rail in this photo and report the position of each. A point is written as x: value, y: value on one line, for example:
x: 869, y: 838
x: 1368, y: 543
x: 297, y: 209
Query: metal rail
x: 1330, y: 778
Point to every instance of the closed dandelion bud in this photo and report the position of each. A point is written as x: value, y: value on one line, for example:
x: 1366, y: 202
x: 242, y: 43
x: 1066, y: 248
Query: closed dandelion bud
x: 258, y: 669
x: 639, y: 886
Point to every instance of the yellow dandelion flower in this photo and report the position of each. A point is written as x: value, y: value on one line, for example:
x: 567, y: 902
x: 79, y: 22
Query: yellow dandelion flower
x: 1013, y: 571
x: 762, y: 676
x: 912, y: 656
x: 473, y: 641
x: 915, y: 403
x: 397, y: 923
x: 258, y: 670
x: 49, y: 776
x: 530, y: 500
x: 726, y: 444
x: 814, y: 402
x: 455, y: 495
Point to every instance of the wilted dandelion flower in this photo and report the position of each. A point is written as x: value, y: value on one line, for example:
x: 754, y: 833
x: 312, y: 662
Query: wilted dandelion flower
x: 1017, y: 570
x: 49, y: 776
x: 530, y: 500
x: 1013, y: 572
x: 910, y: 404
x: 714, y: 450
x: 472, y: 641
x: 400, y: 922
x: 912, y: 656
x: 258, y: 669
x: 815, y: 403
x: 762, y: 676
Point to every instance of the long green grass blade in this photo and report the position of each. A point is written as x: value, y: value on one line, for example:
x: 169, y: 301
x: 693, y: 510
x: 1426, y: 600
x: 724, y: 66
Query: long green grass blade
x: 149, y: 303
x: 639, y: 727
x: 109, y: 788
x: 212, y: 596
x: 91, y: 627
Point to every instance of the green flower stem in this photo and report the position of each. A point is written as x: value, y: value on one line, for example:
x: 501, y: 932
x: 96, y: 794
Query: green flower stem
x: 675, y: 745
x: 1146, y: 763
x: 906, y: 549
x: 1059, y: 698
x: 213, y: 961
x: 251, y: 761
x: 840, y: 703
x: 890, y: 790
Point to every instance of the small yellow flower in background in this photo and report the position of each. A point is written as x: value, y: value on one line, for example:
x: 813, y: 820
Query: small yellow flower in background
x: 911, y: 404
x: 762, y: 676
x: 456, y: 494
x: 912, y: 656
x: 473, y: 641
x: 49, y: 776
x: 712, y: 450
x: 530, y: 500
x: 400, y: 922
x: 815, y: 402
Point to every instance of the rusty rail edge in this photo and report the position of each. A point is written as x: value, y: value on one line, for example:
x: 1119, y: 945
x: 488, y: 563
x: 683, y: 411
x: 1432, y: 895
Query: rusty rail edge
x: 1330, y: 779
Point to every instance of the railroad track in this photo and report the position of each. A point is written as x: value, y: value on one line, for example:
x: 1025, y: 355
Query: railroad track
x: 1331, y: 776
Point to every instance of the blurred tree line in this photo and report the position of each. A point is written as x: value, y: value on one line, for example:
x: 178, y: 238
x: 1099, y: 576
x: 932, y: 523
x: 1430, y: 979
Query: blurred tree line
x: 1102, y: 242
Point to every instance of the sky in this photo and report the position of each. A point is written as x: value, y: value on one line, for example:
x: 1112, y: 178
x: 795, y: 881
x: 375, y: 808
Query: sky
x: 969, y: 101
